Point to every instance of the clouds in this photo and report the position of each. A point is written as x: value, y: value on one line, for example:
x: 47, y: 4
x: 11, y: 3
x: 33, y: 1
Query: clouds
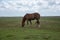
x: 19, y: 3
x: 30, y: 5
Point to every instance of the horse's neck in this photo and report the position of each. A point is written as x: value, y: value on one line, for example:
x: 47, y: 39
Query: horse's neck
x: 24, y: 19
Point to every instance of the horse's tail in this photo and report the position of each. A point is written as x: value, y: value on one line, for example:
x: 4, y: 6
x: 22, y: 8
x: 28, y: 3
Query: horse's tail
x: 37, y: 16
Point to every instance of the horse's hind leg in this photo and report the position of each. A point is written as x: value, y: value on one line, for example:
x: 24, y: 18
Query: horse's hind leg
x: 38, y: 23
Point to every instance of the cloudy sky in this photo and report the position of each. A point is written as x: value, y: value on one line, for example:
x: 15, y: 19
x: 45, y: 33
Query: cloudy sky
x: 21, y: 7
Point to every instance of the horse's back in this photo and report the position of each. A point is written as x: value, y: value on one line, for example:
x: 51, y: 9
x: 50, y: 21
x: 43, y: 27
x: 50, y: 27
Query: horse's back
x: 37, y: 15
x: 29, y: 16
x: 32, y: 16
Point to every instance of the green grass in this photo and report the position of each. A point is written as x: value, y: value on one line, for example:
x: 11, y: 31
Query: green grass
x: 10, y: 29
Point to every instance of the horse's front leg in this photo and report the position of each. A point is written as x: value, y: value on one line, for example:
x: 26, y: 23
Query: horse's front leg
x: 27, y: 22
x: 30, y: 22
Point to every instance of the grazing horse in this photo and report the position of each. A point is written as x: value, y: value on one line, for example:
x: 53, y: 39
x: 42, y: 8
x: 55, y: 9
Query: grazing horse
x: 29, y: 17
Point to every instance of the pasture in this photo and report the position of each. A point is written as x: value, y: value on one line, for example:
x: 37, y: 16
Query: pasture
x: 10, y: 29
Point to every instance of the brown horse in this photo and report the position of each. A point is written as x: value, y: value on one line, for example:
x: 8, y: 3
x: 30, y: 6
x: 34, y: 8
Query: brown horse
x: 29, y: 17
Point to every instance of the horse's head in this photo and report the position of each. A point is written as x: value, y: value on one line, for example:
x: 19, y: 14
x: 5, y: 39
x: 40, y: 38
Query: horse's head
x: 23, y: 24
x: 23, y: 21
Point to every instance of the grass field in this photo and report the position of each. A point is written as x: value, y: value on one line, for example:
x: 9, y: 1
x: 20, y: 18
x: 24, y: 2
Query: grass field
x: 10, y: 29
